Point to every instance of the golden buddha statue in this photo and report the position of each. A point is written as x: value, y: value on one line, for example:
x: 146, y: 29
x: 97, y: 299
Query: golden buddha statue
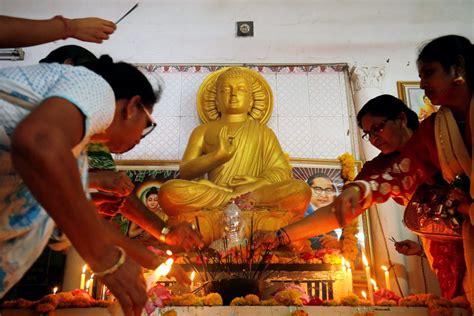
x: 241, y: 158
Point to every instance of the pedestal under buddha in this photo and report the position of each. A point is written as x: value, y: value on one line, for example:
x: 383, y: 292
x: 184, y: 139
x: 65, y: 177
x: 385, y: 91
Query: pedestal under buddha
x: 234, y: 155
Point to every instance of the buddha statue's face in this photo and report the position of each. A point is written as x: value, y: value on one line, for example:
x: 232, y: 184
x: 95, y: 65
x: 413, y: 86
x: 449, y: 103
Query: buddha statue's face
x: 234, y: 95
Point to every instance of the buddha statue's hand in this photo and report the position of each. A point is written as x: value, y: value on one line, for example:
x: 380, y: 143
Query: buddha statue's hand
x: 242, y: 180
x: 183, y: 235
x: 226, y: 148
x: 265, y: 239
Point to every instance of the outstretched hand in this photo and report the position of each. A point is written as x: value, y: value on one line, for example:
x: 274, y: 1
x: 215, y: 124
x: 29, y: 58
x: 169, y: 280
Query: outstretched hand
x: 346, y: 205
x: 265, y: 239
x: 115, y: 182
x: 185, y: 236
x: 179, y: 274
x: 94, y: 30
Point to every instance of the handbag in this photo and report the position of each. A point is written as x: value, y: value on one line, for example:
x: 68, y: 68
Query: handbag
x: 432, y: 212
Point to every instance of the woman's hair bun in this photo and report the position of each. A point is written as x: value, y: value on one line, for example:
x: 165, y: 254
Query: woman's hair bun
x: 105, y: 59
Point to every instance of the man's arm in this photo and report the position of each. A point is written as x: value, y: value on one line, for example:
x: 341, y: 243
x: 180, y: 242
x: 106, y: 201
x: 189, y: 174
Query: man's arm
x: 18, y: 32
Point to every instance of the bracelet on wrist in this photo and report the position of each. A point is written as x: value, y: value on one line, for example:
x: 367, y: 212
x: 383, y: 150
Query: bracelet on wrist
x: 116, y: 266
x: 283, y: 237
x: 67, y: 26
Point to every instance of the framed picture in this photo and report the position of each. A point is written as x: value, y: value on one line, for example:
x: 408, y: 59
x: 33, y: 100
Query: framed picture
x: 324, y: 178
x: 413, y: 96
x: 147, y: 176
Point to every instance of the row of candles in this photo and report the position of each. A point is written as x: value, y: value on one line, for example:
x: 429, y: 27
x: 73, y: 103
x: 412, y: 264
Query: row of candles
x: 165, y: 267
x: 371, y: 284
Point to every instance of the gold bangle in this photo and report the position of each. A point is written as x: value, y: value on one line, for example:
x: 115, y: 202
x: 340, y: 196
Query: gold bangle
x: 116, y: 266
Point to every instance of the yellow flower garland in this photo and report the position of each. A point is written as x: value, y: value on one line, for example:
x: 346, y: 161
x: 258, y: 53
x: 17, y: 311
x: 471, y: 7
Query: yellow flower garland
x: 349, y: 233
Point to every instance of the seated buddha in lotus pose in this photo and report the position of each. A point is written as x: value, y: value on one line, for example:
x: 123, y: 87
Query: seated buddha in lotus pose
x: 234, y: 156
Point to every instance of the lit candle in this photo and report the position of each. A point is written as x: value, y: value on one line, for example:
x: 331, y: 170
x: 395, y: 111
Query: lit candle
x: 364, y: 295
x: 343, y: 264
x: 374, y: 284
x: 91, y: 283
x: 55, y: 290
x: 87, y: 285
x: 193, y: 275
x: 162, y: 270
x: 368, y: 276
x: 387, y: 278
x: 83, y: 277
x: 349, y: 276
x: 104, y: 292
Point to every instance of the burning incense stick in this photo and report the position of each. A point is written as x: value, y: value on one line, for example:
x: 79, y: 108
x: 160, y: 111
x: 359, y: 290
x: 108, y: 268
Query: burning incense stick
x: 128, y: 12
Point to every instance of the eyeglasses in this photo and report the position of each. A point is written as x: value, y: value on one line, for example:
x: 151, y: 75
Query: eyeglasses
x: 327, y: 191
x: 375, y: 130
x: 151, y: 125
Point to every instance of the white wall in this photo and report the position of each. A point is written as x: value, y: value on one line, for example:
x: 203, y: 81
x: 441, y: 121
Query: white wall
x: 368, y: 32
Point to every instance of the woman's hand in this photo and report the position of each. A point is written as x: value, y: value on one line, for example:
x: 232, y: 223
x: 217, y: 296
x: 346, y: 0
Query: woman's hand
x: 330, y: 242
x: 117, y: 183
x: 408, y: 248
x: 127, y: 283
x: 346, y: 205
x: 93, y: 30
x: 185, y: 236
x: 264, y: 239
x: 179, y: 274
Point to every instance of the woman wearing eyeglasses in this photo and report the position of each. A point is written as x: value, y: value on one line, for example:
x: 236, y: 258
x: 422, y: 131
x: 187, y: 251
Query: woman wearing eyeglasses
x: 48, y: 114
x: 442, y: 144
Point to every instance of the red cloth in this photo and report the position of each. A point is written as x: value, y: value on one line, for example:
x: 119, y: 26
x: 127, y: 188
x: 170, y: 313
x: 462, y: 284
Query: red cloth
x: 449, y: 266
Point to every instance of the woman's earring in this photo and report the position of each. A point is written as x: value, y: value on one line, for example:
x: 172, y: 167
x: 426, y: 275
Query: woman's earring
x: 459, y: 80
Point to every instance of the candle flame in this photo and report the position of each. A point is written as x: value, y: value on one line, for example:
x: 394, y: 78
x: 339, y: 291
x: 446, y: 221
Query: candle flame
x: 364, y: 295
x: 364, y: 259
x: 193, y: 275
x: 343, y: 261
x: 88, y: 283
x: 84, y: 268
x: 162, y: 270
x: 348, y: 264
x: 374, y: 284
x: 92, y: 276
x: 384, y: 268
x: 169, y: 252
x: 55, y: 290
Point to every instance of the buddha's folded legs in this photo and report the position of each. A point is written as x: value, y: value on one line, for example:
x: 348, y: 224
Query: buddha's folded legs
x: 292, y: 195
x: 181, y: 196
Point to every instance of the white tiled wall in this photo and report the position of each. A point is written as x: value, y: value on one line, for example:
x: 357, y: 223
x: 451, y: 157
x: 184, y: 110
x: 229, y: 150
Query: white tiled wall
x: 310, y: 115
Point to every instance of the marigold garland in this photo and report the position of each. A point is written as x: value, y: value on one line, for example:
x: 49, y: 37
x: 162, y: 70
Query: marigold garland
x: 349, y: 233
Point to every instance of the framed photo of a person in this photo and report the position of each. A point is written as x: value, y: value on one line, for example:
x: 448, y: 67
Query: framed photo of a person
x: 413, y: 96
x: 323, y: 176
x: 147, y: 176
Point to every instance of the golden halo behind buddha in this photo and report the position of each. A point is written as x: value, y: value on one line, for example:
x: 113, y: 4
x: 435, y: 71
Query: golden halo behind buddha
x: 261, y: 110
